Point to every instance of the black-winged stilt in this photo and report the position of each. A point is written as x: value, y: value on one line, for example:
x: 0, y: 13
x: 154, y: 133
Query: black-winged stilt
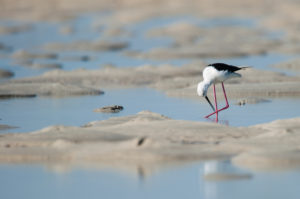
x: 217, y: 73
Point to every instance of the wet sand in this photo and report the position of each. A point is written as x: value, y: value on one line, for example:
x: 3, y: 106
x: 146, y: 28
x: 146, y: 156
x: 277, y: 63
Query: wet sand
x: 154, y: 138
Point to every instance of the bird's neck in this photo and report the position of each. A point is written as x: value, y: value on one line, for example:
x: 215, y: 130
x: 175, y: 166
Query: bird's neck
x: 206, y: 83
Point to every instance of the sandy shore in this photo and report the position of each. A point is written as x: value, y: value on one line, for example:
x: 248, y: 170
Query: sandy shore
x: 153, y: 138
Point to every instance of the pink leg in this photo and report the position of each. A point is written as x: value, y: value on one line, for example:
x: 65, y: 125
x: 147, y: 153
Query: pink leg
x: 227, y: 105
x: 216, y: 104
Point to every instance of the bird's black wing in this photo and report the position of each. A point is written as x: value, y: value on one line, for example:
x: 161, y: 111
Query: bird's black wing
x: 225, y: 67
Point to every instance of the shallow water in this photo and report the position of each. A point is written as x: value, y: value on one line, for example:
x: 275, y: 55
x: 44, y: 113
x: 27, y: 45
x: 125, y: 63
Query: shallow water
x: 36, y: 113
x: 181, y: 181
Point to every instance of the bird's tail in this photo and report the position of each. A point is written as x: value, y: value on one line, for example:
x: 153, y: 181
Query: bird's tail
x: 244, y: 67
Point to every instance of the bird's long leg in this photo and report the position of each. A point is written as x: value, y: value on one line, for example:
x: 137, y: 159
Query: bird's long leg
x: 227, y: 105
x: 216, y: 103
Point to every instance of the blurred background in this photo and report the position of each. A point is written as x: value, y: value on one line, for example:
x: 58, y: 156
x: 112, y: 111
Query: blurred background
x: 146, y: 29
x: 42, y: 36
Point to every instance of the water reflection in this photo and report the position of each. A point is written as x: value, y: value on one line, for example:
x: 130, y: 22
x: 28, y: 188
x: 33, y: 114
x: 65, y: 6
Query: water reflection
x: 217, y: 120
x: 187, y: 180
x: 215, y: 172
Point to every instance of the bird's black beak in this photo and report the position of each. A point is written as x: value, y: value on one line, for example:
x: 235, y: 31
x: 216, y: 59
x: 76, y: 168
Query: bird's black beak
x: 210, y: 103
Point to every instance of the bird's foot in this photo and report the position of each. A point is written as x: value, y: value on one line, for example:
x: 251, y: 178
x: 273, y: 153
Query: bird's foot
x: 217, y: 111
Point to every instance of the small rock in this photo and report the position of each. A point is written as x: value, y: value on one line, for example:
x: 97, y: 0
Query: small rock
x: 6, y: 73
x: 251, y: 101
x: 110, y: 109
x: 241, y: 102
x: 141, y: 141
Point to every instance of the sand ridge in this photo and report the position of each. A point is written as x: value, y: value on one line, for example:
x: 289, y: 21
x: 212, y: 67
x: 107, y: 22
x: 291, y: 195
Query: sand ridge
x: 154, y: 138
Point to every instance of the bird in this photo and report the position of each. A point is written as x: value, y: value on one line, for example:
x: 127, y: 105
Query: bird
x: 213, y: 74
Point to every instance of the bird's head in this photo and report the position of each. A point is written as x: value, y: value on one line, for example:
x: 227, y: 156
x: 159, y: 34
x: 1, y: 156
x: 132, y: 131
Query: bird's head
x: 202, y: 89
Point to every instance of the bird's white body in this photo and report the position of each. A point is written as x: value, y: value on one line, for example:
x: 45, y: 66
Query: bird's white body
x: 213, y: 76
x: 210, y: 74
